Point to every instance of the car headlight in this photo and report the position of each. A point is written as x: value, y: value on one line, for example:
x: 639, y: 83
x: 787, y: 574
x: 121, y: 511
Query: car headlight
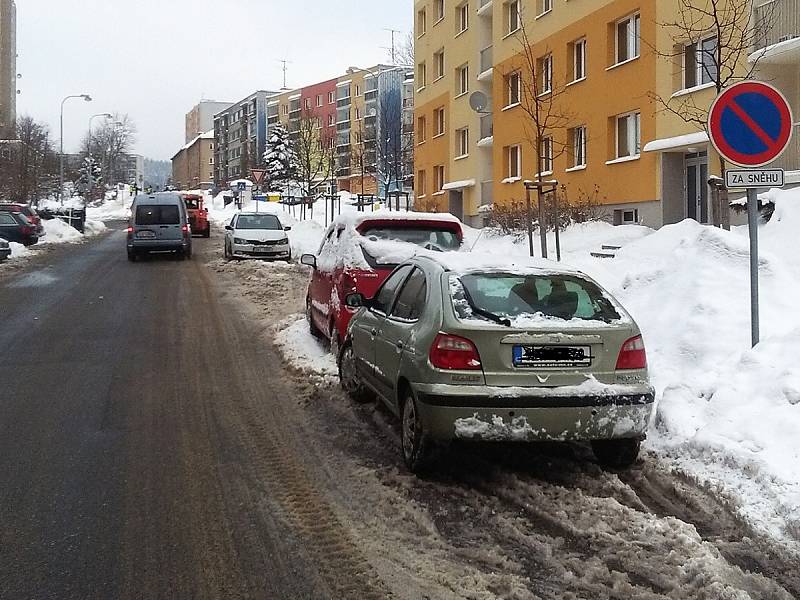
x: 285, y: 240
x: 238, y: 241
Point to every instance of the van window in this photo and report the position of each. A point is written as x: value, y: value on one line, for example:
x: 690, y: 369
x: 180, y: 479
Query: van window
x: 148, y: 214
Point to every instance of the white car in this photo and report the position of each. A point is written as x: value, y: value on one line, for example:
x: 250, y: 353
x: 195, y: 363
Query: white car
x: 257, y: 235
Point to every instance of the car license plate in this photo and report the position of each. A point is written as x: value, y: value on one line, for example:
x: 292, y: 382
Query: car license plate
x: 552, y: 356
x: 145, y: 234
x: 258, y: 250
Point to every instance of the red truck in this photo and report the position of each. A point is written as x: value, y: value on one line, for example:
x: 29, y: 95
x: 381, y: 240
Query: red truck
x: 198, y: 215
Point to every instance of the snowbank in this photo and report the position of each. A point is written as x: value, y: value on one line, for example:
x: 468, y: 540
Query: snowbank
x: 58, y: 232
x: 303, y: 350
x: 18, y: 250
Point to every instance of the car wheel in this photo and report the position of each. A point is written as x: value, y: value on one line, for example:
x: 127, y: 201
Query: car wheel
x: 416, y: 443
x: 348, y: 376
x: 310, y: 318
x: 617, y: 454
x: 207, y: 232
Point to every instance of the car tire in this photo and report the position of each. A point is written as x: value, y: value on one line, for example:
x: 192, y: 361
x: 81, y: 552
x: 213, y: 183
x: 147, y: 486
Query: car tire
x: 618, y: 453
x: 416, y: 445
x: 311, y: 326
x: 207, y: 232
x: 348, y: 377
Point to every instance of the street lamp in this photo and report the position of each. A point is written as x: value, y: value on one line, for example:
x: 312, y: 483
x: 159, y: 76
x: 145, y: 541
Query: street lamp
x: 87, y: 98
x: 89, y: 152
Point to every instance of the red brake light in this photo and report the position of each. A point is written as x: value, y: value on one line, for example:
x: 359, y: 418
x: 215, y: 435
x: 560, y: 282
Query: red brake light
x: 454, y: 353
x: 632, y: 355
x: 130, y: 229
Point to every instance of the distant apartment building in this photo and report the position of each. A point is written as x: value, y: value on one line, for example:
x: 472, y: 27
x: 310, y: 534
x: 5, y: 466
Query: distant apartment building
x: 360, y: 117
x: 240, y: 134
x: 8, y: 69
x: 598, y: 66
x: 201, y: 118
x: 193, y: 165
x: 131, y: 167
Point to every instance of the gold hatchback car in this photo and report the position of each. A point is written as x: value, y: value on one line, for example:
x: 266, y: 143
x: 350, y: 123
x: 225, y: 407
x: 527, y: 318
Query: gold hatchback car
x: 466, y: 348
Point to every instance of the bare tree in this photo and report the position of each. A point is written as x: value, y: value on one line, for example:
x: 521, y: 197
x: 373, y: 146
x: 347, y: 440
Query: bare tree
x: 29, y: 165
x: 312, y: 146
x: 404, y: 51
x: 108, y: 145
x: 532, y: 84
x: 712, y: 42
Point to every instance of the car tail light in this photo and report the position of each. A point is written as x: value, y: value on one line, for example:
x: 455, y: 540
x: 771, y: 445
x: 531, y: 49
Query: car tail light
x: 632, y: 355
x: 129, y: 230
x: 454, y: 353
x: 27, y: 230
x: 185, y: 230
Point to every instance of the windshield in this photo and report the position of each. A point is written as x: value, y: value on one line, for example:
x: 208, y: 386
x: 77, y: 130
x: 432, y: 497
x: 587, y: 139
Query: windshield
x: 514, y: 297
x: 258, y: 222
x: 429, y: 237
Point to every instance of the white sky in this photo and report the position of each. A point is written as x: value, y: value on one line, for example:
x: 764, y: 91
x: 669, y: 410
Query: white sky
x: 154, y: 59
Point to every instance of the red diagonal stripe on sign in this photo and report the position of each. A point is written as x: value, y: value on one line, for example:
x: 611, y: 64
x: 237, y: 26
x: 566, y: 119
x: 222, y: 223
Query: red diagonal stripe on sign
x: 754, y: 127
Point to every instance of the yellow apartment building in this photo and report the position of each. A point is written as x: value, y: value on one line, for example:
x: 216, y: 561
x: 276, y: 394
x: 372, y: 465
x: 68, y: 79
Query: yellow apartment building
x: 601, y: 69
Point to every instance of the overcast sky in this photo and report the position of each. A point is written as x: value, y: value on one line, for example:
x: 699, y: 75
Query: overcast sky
x: 155, y: 59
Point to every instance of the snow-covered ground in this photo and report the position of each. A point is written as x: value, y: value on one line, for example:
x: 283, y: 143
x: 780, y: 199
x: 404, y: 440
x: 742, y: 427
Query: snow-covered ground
x: 727, y: 414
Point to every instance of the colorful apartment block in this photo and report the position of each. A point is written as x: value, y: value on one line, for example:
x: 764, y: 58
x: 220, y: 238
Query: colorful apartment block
x: 602, y: 70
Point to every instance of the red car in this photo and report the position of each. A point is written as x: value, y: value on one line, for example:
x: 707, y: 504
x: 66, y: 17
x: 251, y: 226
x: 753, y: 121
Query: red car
x: 359, y: 252
x: 29, y: 212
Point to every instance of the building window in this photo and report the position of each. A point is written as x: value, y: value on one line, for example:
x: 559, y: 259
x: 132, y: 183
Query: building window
x: 358, y: 90
x: 628, y: 135
x: 544, y: 6
x: 438, y: 9
x: 422, y: 22
x: 420, y: 183
x: 422, y: 75
x: 514, y: 161
x: 512, y: 16
x: 579, y: 59
x: 577, y: 138
x: 319, y: 100
x: 331, y: 97
x: 462, y: 80
x: 462, y: 142
x: 627, y: 38
x: 545, y: 68
x: 211, y: 160
x: 700, y: 63
x: 546, y: 155
x: 331, y: 120
x: 438, y: 65
x: 462, y: 18
x: 422, y: 129
x: 307, y: 103
x: 438, y: 177
x: 513, y: 88
x: 438, y: 121
x: 285, y: 109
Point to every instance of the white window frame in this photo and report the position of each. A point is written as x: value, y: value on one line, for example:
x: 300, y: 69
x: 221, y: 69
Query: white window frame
x: 579, y: 59
x: 422, y: 75
x: 422, y: 127
x: 513, y: 17
x: 634, y: 136
x: 462, y: 142
x: 422, y: 21
x: 578, y: 146
x: 544, y: 7
x: 697, y: 49
x: 512, y: 89
x: 438, y: 177
x: 439, y: 124
x: 438, y: 6
x: 546, y: 155
x: 514, y: 164
x: 462, y: 18
x: 462, y: 80
x: 633, y: 38
x: 546, y: 72
x: 438, y: 65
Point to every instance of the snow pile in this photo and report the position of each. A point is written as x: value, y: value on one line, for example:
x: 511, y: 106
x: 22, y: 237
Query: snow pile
x: 92, y: 227
x: 18, y: 250
x: 303, y: 350
x: 58, y: 232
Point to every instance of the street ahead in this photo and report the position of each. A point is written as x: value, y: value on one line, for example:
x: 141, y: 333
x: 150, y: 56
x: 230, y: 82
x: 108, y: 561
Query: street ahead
x: 125, y: 450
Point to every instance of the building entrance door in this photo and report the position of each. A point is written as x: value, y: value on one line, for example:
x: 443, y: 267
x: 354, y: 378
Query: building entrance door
x: 696, y: 188
x: 456, y: 207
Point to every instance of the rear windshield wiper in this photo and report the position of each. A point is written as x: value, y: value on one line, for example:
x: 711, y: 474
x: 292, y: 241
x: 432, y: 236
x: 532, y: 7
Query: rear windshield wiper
x: 484, y: 313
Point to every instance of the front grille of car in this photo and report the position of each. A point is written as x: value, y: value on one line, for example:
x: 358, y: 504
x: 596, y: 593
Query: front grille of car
x: 267, y: 243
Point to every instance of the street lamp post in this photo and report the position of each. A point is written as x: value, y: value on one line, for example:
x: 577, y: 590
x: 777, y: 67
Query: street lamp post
x: 89, y: 153
x: 87, y: 98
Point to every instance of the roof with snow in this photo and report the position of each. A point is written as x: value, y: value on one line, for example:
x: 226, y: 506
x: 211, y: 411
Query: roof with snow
x: 354, y: 219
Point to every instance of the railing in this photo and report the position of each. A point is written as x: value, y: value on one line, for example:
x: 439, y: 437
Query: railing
x: 487, y: 126
x: 487, y: 58
x: 776, y: 21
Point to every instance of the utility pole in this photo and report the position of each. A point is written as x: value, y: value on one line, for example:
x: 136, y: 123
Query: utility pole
x: 394, y: 47
x: 284, y: 68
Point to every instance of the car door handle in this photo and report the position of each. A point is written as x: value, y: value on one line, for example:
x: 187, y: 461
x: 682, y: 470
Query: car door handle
x: 374, y: 332
x: 399, y: 345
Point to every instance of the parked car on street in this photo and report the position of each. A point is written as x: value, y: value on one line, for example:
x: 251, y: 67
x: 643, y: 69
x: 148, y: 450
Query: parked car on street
x: 5, y: 250
x: 159, y: 223
x: 15, y: 227
x: 257, y: 235
x: 357, y: 254
x: 28, y: 211
x: 477, y: 349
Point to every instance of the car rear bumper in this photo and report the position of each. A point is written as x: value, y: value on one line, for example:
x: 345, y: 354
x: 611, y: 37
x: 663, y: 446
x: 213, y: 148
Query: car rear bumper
x: 463, y: 412
x: 158, y: 245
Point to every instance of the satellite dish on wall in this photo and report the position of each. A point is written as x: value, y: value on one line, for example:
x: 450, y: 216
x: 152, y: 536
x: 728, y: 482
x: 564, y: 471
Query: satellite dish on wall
x: 478, y: 101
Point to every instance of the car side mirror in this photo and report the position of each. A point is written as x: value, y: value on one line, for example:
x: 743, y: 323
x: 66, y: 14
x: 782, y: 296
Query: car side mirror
x: 309, y: 260
x: 228, y: 227
x: 288, y: 228
x: 355, y: 300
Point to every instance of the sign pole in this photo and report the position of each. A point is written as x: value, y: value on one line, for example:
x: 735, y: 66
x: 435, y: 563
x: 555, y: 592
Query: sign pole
x: 752, y: 219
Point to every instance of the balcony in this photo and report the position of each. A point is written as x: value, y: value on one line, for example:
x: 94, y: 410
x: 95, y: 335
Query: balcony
x: 487, y: 62
x: 777, y: 22
x: 487, y: 126
x: 485, y: 7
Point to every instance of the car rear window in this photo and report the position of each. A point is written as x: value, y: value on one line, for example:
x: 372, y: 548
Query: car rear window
x: 426, y: 236
x: 7, y: 219
x: 514, y: 297
x: 155, y: 214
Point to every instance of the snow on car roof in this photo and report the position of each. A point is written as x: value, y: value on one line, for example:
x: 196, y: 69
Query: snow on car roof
x: 354, y: 219
x: 471, y: 262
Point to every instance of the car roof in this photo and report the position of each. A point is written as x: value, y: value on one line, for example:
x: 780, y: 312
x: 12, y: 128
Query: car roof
x: 469, y: 262
x: 258, y: 214
x: 159, y: 198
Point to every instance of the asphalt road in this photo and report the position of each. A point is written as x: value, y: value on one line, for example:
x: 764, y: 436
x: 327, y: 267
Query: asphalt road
x: 142, y: 448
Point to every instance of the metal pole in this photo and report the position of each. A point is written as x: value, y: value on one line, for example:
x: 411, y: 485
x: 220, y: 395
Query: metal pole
x: 61, y: 157
x: 752, y: 219
x: 557, y: 221
x: 542, y: 223
x: 529, y: 214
